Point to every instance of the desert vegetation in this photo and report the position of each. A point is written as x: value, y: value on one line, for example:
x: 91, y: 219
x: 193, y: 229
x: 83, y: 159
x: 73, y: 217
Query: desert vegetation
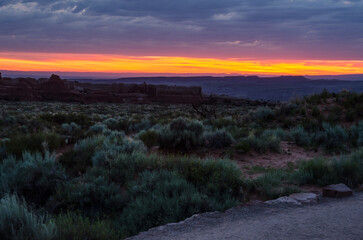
x: 109, y: 171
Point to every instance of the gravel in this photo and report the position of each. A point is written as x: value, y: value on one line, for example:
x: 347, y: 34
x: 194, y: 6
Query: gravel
x: 329, y: 219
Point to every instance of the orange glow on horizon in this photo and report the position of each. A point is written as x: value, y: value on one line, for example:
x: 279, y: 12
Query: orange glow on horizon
x: 177, y: 65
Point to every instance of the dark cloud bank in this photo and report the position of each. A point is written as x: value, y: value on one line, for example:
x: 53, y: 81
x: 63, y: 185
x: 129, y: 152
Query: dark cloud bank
x: 262, y: 29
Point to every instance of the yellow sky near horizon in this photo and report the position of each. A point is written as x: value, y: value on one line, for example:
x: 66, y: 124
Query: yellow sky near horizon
x: 15, y: 61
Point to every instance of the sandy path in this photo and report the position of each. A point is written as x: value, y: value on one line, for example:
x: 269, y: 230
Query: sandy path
x: 330, y: 219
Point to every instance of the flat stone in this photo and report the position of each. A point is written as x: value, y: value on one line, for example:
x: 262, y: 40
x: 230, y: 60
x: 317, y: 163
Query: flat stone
x: 337, y: 191
x: 283, y: 200
x: 254, y: 203
x: 305, y: 197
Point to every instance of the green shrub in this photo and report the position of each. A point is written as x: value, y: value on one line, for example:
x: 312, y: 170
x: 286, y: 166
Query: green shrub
x: 268, y: 140
x: 349, y: 169
x: 356, y: 134
x: 223, y: 122
x: 79, y: 159
x: 112, y: 123
x: 34, y: 177
x: 271, y: 185
x: 181, y: 134
x: 94, y: 196
x: 316, y: 171
x: 18, y: 221
x: 243, y: 146
x: 262, y: 114
x: 218, y: 139
x: 289, y: 108
x: 300, y: 136
x: 60, y: 118
x: 70, y: 128
x: 161, y: 197
x: 149, y: 138
x: 218, y: 178
x: 97, y: 129
x: 77, y: 227
x: 333, y: 137
x: 114, y: 146
x: 139, y: 126
x: 36, y: 142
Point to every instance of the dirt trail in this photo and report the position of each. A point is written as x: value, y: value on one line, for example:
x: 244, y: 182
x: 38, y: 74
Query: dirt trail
x: 329, y: 219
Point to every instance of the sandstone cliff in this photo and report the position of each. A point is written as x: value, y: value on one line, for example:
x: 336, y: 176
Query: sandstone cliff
x: 57, y: 89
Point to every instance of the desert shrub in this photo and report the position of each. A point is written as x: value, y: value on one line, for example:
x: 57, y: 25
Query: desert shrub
x: 218, y: 139
x: 274, y: 133
x: 219, y: 178
x: 77, y: 227
x: 315, y: 171
x: 289, y: 108
x: 262, y: 114
x: 97, y: 129
x: 300, y: 136
x: 79, y: 159
x: 161, y: 197
x: 181, y: 134
x: 18, y: 221
x: 149, y: 138
x: 355, y: 133
x: 314, y: 99
x: 60, y: 118
x: 36, y: 142
x: 271, y: 185
x: 112, y: 147
x: 139, y: 126
x: 70, y: 128
x: 35, y: 177
x: 112, y: 123
x: 268, y: 140
x: 349, y: 169
x: 243, y: 146
x: 92, y: 195
x: 223, y: 122
x: 332, y: 137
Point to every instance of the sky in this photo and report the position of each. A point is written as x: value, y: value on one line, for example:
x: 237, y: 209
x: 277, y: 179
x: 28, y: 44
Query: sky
x: 186, y: 37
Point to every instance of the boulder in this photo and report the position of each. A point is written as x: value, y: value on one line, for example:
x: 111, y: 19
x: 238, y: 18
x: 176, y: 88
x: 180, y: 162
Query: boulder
x: 305, y: 197
x: 337, y: 190
x: 283, y: 200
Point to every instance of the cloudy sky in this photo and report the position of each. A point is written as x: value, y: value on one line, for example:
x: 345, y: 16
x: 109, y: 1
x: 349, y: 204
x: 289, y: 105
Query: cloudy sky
x: 161, y: 35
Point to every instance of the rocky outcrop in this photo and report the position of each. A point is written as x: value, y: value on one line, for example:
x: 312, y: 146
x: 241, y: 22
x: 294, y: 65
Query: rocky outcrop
x: 337, y: 191
x: 57, y: 89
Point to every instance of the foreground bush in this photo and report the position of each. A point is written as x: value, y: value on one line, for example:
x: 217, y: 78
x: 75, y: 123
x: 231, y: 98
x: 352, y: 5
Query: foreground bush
x: 268, y: 140
x: 346, y: 169
x: 271, y: 185
x: 18, y: 221
x: 77, y: 227
x: 149, y: 138
x: 161, y: 197
x: 93, y: 196
x: 333, y: 137
x: 33, y: 176
x: 181, y: 134
x: 36, y: 142
x: 219, y: 139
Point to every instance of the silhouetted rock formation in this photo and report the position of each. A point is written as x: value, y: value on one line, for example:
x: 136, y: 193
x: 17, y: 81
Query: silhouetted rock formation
x: 57, y: 89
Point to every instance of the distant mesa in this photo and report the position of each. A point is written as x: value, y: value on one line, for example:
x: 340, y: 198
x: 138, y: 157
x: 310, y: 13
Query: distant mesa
x: 57, y: 89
